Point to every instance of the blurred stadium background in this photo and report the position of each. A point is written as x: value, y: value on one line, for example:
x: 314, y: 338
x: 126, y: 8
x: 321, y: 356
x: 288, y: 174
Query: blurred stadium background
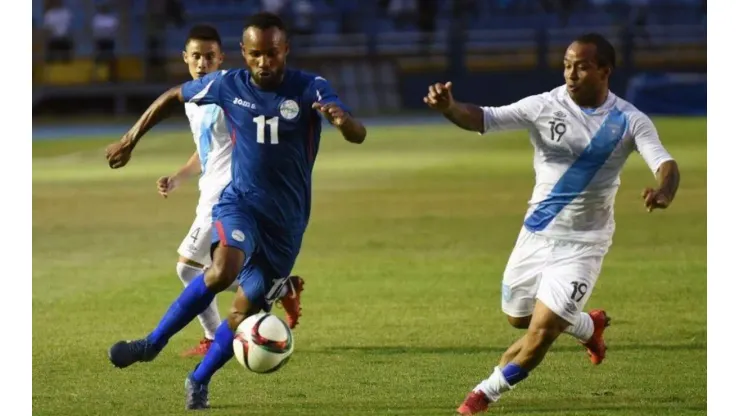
x: 409, y: 232
x: 114, y: 56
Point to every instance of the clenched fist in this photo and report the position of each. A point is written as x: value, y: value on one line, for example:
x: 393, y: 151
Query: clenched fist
x: 119, y: 153
x: 440, y: 96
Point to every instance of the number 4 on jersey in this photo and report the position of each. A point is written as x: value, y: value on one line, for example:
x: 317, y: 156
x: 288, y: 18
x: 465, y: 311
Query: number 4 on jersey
x: 273, y: 122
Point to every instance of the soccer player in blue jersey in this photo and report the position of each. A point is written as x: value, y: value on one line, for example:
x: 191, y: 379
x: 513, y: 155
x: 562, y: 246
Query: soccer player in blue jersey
x: 274, y: 114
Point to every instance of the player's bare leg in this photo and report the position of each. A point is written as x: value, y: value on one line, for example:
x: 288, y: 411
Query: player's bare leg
x: 544, y: 328
x: 196, y: 384
x: 588, y: 329
x: 511, y: 353
x: 227, y: 263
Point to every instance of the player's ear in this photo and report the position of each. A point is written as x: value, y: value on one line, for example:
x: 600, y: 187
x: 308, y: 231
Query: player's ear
x: 184, y: 56
x: 241, y: 48
x: 607, y: 72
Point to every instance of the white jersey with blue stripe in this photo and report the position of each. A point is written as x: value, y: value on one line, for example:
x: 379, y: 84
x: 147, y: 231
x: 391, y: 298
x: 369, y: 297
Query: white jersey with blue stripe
x: 578, y: 156
x: 213, y: 142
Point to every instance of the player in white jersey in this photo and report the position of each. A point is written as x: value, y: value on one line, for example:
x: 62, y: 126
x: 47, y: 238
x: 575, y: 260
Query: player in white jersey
x: 582, y: 135
x: 212, y: 159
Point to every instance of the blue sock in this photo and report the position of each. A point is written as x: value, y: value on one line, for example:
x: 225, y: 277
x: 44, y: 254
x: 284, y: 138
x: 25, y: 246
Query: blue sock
x: 219, y: 354
x: 514, y: 373
x: 193, y: 300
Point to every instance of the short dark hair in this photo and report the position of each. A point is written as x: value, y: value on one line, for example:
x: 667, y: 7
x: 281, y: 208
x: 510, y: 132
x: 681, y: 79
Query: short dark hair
x: 203, y: 32
x: 265, y: 20
x: 605, y: 53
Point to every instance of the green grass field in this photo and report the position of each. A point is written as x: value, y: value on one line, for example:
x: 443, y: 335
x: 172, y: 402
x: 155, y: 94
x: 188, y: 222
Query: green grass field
x: 403, y: 259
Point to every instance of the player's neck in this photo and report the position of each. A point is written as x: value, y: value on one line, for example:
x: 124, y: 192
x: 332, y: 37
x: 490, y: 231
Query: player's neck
x: 595, y: 102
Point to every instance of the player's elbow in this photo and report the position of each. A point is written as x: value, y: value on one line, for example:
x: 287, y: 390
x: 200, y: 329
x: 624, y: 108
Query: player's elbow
x: 669, y: 169
x: 670, y: 165
x: 357, y: 135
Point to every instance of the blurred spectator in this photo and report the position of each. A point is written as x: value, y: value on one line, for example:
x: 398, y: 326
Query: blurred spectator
x: 57, y: 22
x: 104, y: 30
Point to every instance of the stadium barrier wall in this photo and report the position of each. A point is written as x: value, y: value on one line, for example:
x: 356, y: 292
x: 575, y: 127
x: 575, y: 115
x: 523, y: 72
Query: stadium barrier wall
x: 652, y: 93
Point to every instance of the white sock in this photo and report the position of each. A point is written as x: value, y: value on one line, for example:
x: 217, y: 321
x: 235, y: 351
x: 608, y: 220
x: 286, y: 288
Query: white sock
x: 583, y: 328
x: 494, y: 385
x: 209, y: 319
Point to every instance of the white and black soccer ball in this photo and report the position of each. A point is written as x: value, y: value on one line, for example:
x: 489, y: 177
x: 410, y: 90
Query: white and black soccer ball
x: 263, y: 343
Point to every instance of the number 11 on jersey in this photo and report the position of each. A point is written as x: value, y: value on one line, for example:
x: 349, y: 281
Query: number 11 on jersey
x: 273, y: 123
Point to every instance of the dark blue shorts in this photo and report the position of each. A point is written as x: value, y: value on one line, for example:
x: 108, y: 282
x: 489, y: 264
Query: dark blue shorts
x: 270, y: 254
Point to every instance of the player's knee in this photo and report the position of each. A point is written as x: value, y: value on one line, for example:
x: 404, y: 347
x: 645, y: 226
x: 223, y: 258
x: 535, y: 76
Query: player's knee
x: 223, y: 272
x: 519, y: 322
x: 220, y: 276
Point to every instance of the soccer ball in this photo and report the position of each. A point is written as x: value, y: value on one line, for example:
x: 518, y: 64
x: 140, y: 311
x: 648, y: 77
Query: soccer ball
x: 263, y: 343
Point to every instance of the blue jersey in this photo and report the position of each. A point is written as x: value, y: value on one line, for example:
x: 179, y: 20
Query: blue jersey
x: 276, y: 138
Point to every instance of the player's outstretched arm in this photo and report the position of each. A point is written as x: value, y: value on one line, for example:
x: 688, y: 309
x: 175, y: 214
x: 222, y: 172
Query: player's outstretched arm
x: 352, y: 129
x: 668, y: 178
x: 465, y: 116
x: 118, y: 154
x: 166, y: 184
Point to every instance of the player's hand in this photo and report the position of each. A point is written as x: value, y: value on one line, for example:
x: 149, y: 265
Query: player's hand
x: 166, y: 184
x: 439, y: 96
x: 655, y: 199
x: 332, y: 112
x: 119, y: 153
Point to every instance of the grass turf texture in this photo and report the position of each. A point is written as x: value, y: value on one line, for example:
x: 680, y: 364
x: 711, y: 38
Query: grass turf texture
x: 403, y: 258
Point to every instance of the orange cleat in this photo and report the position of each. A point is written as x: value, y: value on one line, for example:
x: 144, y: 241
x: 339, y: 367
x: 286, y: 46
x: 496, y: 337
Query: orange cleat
x: 596, y: 346
x: 200, y: 349
x: 475, y: 403
x: 291, y: 302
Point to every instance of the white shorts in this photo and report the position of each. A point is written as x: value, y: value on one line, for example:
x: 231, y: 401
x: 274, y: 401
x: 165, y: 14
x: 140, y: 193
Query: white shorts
x: 561, y: 274
x: 196, y: 245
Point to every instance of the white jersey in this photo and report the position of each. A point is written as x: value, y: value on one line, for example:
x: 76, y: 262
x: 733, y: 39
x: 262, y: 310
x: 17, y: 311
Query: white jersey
x: 578, y: 156
x: 214, y: 146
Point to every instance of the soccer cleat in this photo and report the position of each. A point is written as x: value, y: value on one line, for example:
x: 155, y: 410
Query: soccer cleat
x: 124, y: 353
x: 291, y: 302
x: 196, y: 395
x: 596, y: 346
x: 200, y: 349
x: 475, y: 403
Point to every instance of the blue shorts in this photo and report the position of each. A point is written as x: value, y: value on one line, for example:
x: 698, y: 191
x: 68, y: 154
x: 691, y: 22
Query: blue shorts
x: 269, y: 253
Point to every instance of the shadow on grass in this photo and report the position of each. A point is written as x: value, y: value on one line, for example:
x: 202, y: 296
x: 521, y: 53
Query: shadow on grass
x: 399, y: 350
